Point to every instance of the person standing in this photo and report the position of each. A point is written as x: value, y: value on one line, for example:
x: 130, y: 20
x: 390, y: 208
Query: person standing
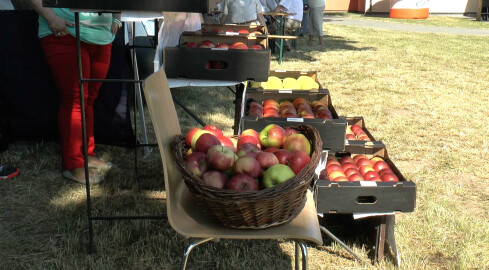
x: 242, y: 12
x: 315, y: 24
x: 57, y: 37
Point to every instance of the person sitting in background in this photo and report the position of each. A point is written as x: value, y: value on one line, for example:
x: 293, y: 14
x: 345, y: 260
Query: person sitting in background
x: 292, y: 22
x: 316, y: 14
x: 242, y: 12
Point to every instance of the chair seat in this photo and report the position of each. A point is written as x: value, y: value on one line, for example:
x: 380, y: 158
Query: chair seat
x: 195, y: 223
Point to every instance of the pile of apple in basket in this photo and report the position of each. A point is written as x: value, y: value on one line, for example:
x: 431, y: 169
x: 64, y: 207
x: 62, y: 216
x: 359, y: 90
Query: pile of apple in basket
x: 252, y: 161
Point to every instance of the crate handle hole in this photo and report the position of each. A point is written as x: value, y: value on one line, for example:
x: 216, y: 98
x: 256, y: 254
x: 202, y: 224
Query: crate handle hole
x: 366, y: 199
x: 214, y: 64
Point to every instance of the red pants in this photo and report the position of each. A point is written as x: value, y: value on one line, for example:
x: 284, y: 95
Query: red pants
x: 60, y: 53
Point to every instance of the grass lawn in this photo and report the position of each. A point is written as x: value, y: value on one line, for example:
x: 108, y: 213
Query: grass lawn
x: 433, y: 19
x: 424, y: 95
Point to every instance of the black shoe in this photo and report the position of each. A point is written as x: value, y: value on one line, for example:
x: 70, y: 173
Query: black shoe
x: 7, y: 172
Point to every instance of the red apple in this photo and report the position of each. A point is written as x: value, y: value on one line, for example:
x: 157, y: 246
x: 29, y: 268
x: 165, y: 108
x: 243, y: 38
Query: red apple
x: 251, y: 132
x: 298, y: 161
x: 388, y: 170
x: 247, y: 165
x: 370, y: 174
x: 191, y: 45
x: 220, y: 157
x: 346, y: 159
x: 334, y: 167
x: 222, y: 45
x: 289, y: 131
x: 197, y: 163
x: 335, y: 174
x: 366, y: 169
x: 389, y: 177
x: 270, y: 103
x: 213, y: 129
x: 217, y: 30
x: 375, y: 159
x: 248, y: 139
x: 225, y: 141
x: 348, y: 165
x: 271, y: 150
x: 207, y: 44
x: 297, y: 142
x: 356, y: 177
x: 248, y: 149
x: 205, y: 141
x: 363, y: 162
x: 190, y: 134
x: 197, y: 136
x: 270, y: 112
x: 323, y: 175
x: 272, y: 136
x: 341, y: 179
x: 332, y: 160
x: 239, y: 46
x: 380, y: 165
x: 256, y: 47
x: 255, y: 112
x: 242, y: 182
x: 243, y: 31
x: 348, y: 172
x: 266, y: 159
x: 215, y: 179
x: 283, y: 156
x: 357, y: 157
x: 356, y: 128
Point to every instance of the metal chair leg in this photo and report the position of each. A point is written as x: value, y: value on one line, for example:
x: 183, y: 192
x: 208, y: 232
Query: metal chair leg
x: 190, y: 247
x: 304, y: 254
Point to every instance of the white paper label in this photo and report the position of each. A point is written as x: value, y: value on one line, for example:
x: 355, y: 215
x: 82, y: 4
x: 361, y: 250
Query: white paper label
x: 368, y: 183
x: 219, y: 49
x: 285, y: 91
x: 232, y: 33
x: 295, y: 120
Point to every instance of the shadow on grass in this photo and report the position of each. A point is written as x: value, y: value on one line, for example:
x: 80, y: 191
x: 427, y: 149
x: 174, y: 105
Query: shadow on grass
x: 316, y: 52
x: 360, y: 233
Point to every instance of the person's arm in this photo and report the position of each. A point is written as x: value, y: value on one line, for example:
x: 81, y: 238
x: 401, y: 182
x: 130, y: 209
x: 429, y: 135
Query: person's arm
x: 223, y: 18
x: 261, y: 19
x: 56, y: 24
x: 116, y: 22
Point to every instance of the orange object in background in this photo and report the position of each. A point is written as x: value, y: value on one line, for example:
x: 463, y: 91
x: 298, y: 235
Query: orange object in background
x: 409, y: 9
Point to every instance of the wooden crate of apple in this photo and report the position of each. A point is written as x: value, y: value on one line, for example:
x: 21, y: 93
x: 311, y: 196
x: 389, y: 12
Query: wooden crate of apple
x: 356, y: 130
x: 232, y: 29
x: 252, y: 161
x: 357, y: 168
x: 238, y: 45
x: 298, y: 108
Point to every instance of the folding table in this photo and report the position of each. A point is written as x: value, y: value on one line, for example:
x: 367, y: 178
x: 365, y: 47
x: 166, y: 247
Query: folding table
x: 281, y: 26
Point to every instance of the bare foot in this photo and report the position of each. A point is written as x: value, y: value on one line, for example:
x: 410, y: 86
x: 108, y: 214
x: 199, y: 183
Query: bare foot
x: 79, y: 173
x: 93, y: 160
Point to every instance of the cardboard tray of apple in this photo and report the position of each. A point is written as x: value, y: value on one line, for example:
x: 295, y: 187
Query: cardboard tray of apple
x: 288, y: 80
x: 331, y: 128
x: 259, y: 178
x: 196, y: 39
x: 362, y: 179
x: 357, y: 133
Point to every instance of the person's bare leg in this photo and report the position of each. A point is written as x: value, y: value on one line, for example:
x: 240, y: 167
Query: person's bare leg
x: 321, y: 42
x: 309, y: 42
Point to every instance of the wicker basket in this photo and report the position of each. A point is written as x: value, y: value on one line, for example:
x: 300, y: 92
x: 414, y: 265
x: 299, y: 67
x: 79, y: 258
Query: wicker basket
x: 252, y: 209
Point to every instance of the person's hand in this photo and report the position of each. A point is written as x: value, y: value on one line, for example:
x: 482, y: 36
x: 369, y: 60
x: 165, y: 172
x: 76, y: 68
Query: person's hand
x: 58, y: 26
x: 115, y: 27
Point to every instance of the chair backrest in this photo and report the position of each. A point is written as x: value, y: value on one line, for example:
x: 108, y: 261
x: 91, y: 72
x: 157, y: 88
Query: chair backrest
x: 166, y: 126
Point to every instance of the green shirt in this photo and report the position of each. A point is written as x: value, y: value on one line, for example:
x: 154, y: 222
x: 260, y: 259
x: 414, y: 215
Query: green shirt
x: 94, y: 28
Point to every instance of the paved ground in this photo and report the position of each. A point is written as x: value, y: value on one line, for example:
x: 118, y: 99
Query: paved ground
x: 333, y: 19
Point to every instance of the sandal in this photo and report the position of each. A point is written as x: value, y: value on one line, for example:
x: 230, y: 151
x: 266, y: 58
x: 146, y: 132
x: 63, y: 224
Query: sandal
x: 94, y: 179
x: 8, y: 172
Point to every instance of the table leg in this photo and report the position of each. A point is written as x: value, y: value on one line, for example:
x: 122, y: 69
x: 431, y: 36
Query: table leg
x: 238, y: 101
x: 380, y: 239
x: 282, y: 31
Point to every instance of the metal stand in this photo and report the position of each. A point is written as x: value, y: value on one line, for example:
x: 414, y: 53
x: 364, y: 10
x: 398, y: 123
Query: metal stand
x: 81, y: 80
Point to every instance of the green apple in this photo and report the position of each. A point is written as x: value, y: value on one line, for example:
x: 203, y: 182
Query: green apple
x: 277, y: 174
